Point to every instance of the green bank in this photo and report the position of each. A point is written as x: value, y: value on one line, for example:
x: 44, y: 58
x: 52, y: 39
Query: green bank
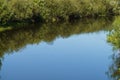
x: 55, y: 10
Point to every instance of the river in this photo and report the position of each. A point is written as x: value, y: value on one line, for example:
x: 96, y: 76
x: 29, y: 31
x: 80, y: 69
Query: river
x: 61, y: 51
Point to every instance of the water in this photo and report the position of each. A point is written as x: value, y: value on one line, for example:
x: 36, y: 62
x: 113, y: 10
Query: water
x: 66, y: 52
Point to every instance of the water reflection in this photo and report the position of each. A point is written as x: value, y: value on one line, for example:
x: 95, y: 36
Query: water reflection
x: 114, y: 69
x: 114, y: 39
x: 18, y: 38
x: 14, y: 40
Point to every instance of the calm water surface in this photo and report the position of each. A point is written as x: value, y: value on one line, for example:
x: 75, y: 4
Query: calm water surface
x: 80, y: 55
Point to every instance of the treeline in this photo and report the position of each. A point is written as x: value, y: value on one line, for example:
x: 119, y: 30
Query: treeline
x: 55, y: 10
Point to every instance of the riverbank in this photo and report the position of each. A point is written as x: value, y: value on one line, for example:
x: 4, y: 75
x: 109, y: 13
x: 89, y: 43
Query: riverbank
x: 55, y: 10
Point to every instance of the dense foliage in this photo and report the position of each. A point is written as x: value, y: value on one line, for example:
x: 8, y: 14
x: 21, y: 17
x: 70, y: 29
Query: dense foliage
x: 55, y: 10
x: 114, y: 35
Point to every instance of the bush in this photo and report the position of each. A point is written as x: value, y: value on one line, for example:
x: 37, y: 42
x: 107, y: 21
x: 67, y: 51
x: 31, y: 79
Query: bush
x: 55, y: 10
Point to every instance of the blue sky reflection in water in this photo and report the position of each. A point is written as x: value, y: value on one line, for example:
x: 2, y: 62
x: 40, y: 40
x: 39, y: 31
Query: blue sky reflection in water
x: 79, y: 57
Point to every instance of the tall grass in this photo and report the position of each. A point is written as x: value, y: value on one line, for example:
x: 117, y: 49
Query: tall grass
x: 55, y: 10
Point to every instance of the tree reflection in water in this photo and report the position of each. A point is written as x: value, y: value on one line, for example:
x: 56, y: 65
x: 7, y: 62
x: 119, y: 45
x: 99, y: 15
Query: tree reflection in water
x: 18, y: 38
x: 15, y: 39
x: 114, y: 69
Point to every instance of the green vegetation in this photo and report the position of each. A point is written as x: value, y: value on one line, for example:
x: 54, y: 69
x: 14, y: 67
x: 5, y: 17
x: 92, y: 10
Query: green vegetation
x: 114, y: 35
x: 3, y: 29
x: 114, y: 39
x: 55, y: 10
